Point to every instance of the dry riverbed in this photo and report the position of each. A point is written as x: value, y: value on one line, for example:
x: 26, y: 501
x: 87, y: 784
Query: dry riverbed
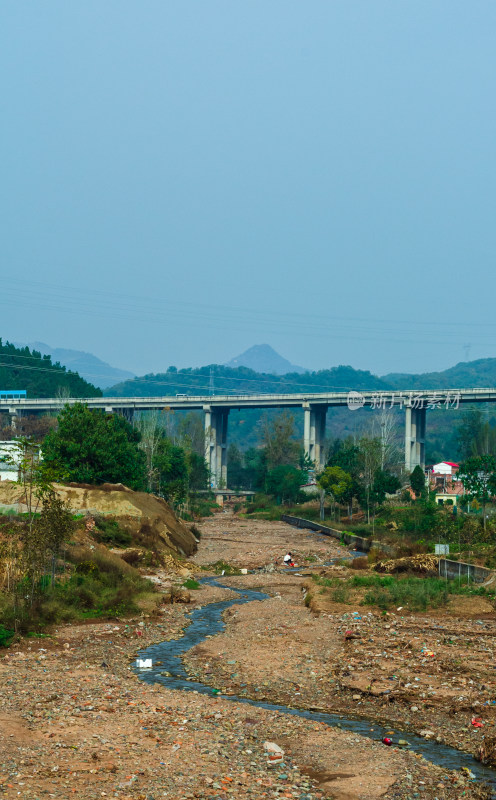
x: 75, y: 720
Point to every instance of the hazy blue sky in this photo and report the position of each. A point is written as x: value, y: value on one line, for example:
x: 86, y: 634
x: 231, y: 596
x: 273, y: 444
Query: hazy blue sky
x: 181, y: 180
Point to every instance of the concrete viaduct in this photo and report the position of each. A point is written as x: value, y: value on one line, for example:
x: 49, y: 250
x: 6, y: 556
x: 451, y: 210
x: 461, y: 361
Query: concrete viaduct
x: 414, y: 404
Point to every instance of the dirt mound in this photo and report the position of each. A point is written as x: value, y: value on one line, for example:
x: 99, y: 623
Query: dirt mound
x: 141, y: 511
x: 424, y: 564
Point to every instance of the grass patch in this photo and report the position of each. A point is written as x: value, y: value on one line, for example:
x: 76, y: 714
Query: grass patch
x: 417, y: 594
x: 190, y: 583
x: 388, y: 591
x: 222, y: 567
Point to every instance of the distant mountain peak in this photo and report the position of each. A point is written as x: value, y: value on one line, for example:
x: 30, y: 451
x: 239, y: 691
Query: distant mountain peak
x: 89, y: 366
x: 263, y: 358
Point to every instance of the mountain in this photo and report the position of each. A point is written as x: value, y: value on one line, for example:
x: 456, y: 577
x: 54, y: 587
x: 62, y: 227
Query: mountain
x: 243, y: 425
x: 241, y: 380
x: 464, y: 375
x: 90, y: 367
x: 263, y: 358
x: 25, y: 368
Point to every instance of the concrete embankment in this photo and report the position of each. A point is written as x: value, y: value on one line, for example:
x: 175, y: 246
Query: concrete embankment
x: 447, y: 567
x: 360, y: 542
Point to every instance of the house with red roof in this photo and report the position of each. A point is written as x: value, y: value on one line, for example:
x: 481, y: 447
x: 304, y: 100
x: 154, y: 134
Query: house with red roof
x: 443, y: 481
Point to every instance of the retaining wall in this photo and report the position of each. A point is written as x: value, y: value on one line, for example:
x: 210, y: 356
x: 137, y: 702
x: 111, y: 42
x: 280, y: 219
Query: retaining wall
x: 454, y: 569
x: 361, y: 543
x: 447, y: 568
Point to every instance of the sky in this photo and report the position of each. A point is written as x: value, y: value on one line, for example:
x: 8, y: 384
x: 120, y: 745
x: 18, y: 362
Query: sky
x: 182, y: 180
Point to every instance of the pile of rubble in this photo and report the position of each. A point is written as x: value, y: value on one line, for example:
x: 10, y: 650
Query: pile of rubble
x: 422, y: 564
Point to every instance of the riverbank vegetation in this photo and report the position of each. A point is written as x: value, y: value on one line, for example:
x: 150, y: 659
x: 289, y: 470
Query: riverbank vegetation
x: 404, y: 593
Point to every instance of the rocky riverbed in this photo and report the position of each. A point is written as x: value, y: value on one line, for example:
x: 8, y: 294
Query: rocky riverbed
x: 76, y: 720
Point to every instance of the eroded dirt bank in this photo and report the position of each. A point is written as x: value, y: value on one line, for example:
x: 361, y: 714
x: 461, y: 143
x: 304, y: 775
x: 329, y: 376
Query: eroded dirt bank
x: 76, y: 721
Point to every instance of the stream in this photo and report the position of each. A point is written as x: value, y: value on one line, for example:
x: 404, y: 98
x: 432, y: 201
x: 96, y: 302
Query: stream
x: 207, y: 621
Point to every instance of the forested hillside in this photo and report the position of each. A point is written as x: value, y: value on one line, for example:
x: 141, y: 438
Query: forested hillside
x: 465, y: 375
x: 22, y: 368
x: 243, y: 425
x: 242, y: 380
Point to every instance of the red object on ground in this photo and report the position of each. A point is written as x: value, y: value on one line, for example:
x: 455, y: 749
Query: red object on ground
x: 387, y: 741
x: 477, y: 722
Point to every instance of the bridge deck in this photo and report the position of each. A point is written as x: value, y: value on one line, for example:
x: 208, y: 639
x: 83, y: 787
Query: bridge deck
x: 419, y: 398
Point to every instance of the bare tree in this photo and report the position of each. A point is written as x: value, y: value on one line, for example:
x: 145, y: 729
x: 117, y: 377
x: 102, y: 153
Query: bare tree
x: 150, y: 427
x: 190, y: 433
x: 384, y: 428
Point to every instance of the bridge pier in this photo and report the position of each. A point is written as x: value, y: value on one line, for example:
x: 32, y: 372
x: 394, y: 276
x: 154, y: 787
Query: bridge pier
x: 314, y: 425
x: 216, y: 445
x: 415, y: 420
x: 127, y: 413
x: 14, y: 416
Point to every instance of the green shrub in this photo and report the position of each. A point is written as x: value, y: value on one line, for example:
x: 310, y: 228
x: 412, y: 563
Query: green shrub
x: 202, y: 507
x: 108, y: 531
x: 6, y: 636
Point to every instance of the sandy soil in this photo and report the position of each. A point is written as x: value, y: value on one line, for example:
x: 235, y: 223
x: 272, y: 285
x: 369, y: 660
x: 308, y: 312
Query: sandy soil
x: 75, y: 720
x: 255, y: 543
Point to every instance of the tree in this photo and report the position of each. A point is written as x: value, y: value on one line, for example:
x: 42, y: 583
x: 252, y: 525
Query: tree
x: 256, y: 468
x: 417, y: 480
x: 236, y: 468
x: 95, y: 447
x: 475, y: 435
x: 384, y: 428
x: 53, y: 527
x: 151, y: 433
x: 33, y: 474
x: 199, y: 475
x: 284, y: 482
x: 370, y: 459
x: 22, y: 368
x: 347, y: 456
x: 384, y: 483
x: 478, y: 476
x: 33, y: 545
x: 191, y: 433
x: 336, y: 482
x: 172, y: 471
x: 32, y: 426
x: 278, y: 440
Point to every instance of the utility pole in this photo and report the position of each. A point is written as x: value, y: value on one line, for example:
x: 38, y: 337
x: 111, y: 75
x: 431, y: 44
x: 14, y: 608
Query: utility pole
x: 211, y: 386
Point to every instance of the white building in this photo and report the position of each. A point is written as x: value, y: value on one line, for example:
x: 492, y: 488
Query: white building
x: 10, y: 458
x: 445, y: 468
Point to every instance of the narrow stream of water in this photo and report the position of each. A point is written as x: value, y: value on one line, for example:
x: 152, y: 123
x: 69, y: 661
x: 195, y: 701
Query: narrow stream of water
x: 207, y: 621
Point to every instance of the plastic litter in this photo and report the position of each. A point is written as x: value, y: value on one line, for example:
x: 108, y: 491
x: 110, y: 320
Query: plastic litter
x: 144, y: 663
